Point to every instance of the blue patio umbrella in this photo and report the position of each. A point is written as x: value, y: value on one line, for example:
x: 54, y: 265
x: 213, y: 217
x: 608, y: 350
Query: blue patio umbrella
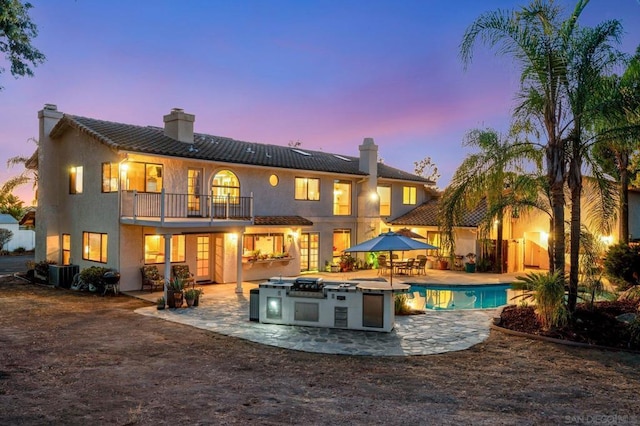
x: 390, y: 241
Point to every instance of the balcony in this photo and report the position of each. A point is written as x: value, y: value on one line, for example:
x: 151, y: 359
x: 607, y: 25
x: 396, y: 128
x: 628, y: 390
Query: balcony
x: 166, y: 209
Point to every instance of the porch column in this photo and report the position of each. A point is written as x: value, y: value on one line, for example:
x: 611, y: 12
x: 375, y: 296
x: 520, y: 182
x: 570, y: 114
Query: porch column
x: 167, y: 261
x: 239, y: 262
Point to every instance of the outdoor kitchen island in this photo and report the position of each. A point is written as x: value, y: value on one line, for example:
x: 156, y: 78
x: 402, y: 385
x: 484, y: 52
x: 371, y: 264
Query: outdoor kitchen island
x: 313, y: 302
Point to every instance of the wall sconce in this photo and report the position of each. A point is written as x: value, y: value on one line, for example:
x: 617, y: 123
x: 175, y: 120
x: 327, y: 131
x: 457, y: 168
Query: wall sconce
x: 233, y: 236
x: 373, y: 196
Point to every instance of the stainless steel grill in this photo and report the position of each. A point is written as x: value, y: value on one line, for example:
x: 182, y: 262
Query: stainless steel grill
x: 307, y: 287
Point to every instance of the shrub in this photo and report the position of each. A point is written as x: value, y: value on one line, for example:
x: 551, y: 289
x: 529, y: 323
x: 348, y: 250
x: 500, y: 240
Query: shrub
x: 20, y: 250
x: 634, y: 334
x: 401, y: 304
x: 622, y: 265
x: 42, y: 267
x: 547, y: 291
x: 92, y: 276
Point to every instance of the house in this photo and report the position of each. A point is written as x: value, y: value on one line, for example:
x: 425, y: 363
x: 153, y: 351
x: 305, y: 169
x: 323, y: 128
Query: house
x: 22, y: 238
x: 123, y: 196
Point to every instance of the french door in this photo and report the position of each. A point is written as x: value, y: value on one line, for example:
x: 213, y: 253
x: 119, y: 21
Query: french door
x: 309, y: 253
x: 203, y: 258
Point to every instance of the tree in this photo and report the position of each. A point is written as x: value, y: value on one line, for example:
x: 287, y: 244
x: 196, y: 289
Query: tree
x: 10, y: 204
x: 531, y: 37
x: 616, y: 129
x: 30, y: 173
x: 561, y: 65
x: 427, y: 169
x: 16, y: 34
x: 495, y: 174
x: 5, y: 237
x: 589, y: 55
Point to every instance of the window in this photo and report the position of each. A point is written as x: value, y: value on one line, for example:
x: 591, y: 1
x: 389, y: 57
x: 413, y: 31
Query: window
x: 266, y: 243
x: 109, y: 177
x: 194, y: 178
x: 95, y: 247
x: 273, y: 180
x: 433, y: 238
x: 66, y: 249
x: 341, y: 241
x: 384, y: 192
x: 409, y: 195
x: 341, y: 198
x: 307, y: 189
x: 142, y: 177
x: 75, y: 180
x: 226, y: 184
x: 154, y: 248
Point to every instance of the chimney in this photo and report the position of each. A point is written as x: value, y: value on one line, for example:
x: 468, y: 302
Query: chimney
x: 178, y: 125
x: 369, y: 157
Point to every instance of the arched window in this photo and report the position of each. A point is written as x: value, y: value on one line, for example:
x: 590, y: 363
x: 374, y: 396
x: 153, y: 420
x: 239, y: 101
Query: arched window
x: 225, y: 184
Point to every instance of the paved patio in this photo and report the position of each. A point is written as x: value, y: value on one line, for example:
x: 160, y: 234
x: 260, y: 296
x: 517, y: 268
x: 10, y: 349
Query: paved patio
x: 223, y: 311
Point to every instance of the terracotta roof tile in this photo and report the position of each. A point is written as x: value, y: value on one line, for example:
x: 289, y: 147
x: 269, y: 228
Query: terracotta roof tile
x: 426, y: 214
x: 282, y: 220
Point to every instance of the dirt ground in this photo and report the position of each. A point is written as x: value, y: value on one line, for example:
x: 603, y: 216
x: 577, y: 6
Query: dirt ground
x: 76, y: 359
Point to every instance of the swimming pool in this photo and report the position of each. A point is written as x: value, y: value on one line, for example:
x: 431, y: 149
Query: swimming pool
x: 455, y: 297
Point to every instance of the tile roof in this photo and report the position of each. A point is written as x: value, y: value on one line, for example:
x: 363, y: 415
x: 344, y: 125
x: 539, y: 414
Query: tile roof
x: 151, y: 140
x: 426, y: 214
x: 282, y: 220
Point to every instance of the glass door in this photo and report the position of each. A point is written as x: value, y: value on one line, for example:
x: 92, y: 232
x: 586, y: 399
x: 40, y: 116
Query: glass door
x: 309, y: 252
x: 194, y: 178
x: 202, y: 259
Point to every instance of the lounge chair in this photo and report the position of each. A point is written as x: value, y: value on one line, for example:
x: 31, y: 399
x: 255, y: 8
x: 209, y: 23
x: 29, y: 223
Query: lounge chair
x: 182, y: 272
x: 151, y: 278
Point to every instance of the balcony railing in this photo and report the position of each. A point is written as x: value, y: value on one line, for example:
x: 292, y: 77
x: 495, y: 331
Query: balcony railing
x: 165, y: 206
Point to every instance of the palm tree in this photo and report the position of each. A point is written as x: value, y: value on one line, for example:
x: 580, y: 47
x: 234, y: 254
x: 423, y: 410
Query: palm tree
x: 589, y: 56
x: 532, y: 38
x: 617, y: 133
x: 29, y: 174
x: 490, y: 175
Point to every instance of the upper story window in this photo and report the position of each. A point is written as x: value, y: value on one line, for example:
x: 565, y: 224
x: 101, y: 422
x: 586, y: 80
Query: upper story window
x: 384, y: 192
x: 341, y: 198
x: 225, y: 184
x: 409, y: 195
x: 307, y: 189
x: 142, y: 177
x: 109, y: 177
x: 75, y: 180
x: 94, y: 247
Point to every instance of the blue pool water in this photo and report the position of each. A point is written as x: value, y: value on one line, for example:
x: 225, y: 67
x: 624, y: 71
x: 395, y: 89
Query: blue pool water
x: 454, y: 297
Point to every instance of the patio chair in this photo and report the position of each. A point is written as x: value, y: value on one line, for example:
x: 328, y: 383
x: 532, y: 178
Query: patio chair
x: 182, y: 272
x: 406, y: 267
x: 383, y: 266
x: 420, y: 268
x: 151, y: 278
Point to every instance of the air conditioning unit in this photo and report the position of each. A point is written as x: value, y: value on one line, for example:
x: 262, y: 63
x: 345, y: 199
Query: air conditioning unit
x: 62, y: 276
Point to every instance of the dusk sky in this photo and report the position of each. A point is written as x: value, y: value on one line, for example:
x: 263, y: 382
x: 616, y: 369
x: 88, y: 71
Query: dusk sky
x: 325, y: 73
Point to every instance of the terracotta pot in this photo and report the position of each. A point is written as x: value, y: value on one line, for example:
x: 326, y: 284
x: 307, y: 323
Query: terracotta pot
x: 178, y: 298
x: 443, y: 264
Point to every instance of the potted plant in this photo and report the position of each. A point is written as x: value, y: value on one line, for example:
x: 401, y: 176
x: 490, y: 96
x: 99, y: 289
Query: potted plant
x: 441, y: 262
x: 470, y: 265
x: 190, y: 296
x: 160, y: 303
x: 175, y: 295
x: 347, y: 263
x: 199, y: 292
